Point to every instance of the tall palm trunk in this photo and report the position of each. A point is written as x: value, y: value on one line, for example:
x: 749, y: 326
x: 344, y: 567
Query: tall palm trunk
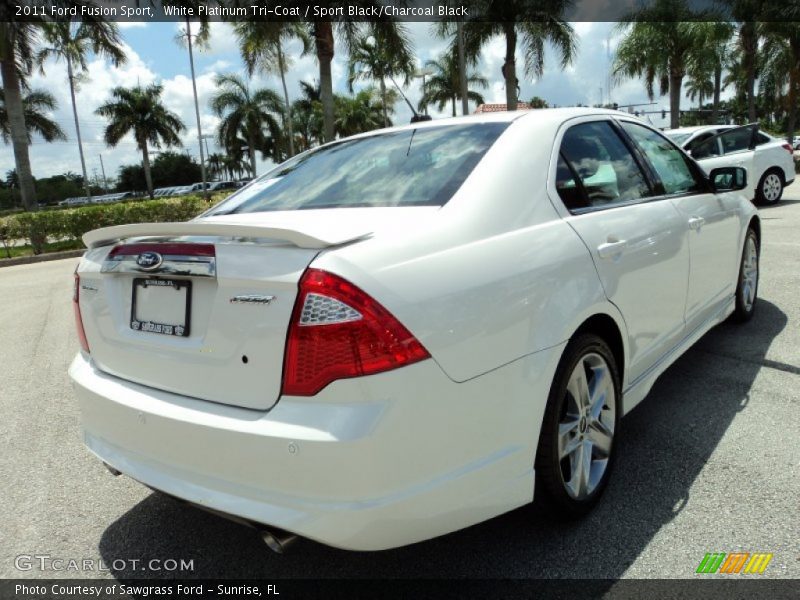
x: 71, y: 77
x: 287, y: 110
x: 19, y: 134
x: 454, y: 106
x: 323, y: 36
x: 717, y: 91
x: 251, y: 139
x: 383, y: 102
x: 148, y: 179
x: 510, y: 66
x: 749, y: 49
x: 675, y: 82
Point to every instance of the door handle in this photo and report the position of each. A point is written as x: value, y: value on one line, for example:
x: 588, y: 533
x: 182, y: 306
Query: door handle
x: 696, y: 223
x: 611, y: 249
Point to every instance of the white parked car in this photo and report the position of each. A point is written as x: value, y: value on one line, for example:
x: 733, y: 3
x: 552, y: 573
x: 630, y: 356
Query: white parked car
x: 769, y: 161
x: 403, y: 333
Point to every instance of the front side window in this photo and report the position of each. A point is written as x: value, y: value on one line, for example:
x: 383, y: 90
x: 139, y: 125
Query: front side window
x: 607, y: 170
x: 409, y: 167
x: 703, y: 146
x: 667, y: 160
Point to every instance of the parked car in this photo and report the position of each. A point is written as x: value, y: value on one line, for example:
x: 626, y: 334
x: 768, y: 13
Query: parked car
x: 216, y: 186
x: 409, y: 331
x: 769, y: 161
x: 180, y: 190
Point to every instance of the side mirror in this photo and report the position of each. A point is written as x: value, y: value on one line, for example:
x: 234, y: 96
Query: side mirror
x: 728, y: 179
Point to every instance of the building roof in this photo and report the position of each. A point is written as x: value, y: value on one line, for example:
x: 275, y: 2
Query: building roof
x: 487, y: 108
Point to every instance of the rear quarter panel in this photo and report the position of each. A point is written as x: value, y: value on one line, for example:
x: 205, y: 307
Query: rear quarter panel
x: 495, y: 275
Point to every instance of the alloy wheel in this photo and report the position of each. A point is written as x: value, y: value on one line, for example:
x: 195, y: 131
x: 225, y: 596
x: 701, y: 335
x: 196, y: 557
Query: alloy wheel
x: 749, y: 273
x: 586, y: 427
x: 772, y: 187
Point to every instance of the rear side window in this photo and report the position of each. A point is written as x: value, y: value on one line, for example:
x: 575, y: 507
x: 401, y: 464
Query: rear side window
x: 669, y: 162
x: 736, y: 140
x: 410, y: 167
x: 607, y: 170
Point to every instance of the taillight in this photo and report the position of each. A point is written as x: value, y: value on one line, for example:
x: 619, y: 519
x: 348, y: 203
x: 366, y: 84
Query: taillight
x: 789, y: 148
x: 338, y: 331
x: 76, y: 307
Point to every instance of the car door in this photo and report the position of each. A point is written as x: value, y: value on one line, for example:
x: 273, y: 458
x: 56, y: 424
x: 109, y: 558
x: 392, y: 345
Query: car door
x: 638, y: 243
x: 731, y: 148
x: 711, y: 220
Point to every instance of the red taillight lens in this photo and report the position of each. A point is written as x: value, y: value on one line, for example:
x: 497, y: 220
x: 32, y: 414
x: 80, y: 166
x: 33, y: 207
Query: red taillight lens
x: 338, y: 331
x: 789, y: 148
x: 76, y: 307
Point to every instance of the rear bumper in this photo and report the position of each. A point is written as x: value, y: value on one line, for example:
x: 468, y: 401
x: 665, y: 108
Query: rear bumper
x: 369, y: 464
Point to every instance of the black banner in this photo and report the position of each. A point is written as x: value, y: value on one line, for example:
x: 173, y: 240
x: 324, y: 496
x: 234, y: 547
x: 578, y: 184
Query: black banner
x: 395, y: 10
x: 733, y: 588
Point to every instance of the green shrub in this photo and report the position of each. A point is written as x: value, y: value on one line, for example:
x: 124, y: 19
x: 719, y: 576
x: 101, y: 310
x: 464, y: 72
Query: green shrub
x: 50, y: 225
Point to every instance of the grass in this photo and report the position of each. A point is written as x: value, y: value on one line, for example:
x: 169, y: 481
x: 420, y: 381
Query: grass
x: 19, y: 251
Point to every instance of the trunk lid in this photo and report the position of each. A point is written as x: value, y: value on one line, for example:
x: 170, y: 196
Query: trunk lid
x: 202, y: 308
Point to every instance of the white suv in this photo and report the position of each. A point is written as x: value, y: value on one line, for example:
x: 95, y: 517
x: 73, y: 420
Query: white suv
x: 769, y: 161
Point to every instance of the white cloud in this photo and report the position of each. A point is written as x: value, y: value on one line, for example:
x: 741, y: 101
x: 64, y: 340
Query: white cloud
x: 132, y: 24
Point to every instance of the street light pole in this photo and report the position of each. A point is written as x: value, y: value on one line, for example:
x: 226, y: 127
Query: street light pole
x: 103, y: 170
x: 196, y: 108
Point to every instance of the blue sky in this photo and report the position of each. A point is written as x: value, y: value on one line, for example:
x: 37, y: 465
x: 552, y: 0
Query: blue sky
x: 154, y: 55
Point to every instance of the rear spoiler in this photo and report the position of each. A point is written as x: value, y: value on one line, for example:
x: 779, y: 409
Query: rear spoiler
x: 301, y: 239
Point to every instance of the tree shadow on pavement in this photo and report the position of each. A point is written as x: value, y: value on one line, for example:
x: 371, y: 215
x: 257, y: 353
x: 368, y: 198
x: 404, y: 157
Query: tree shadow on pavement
x: 666, y: 441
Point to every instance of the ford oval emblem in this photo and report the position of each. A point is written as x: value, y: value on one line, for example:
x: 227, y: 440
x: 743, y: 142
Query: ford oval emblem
x: 149, y: 261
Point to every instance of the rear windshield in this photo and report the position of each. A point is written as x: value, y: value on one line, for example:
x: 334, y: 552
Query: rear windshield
x: 411, y: 167
x: 678, y: 138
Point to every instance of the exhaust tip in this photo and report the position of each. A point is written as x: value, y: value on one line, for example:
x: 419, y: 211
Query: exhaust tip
x: 112, y: 470
x: 277, y: 542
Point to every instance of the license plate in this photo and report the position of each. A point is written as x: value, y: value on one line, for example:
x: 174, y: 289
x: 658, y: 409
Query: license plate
x: 161, y: 306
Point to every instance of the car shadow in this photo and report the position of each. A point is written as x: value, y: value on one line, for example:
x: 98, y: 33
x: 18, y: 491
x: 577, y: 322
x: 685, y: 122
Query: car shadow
x: 782, y: 202
x: 666, y: 441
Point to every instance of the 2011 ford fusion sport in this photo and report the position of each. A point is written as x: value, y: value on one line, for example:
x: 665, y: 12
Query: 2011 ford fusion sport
x: 403, y: 333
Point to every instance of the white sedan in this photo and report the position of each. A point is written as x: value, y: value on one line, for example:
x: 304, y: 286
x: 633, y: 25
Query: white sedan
x: 403, y: 333
x: 769, y: 161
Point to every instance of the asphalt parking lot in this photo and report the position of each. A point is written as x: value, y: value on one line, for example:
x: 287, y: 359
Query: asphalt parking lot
x: 710, y: 462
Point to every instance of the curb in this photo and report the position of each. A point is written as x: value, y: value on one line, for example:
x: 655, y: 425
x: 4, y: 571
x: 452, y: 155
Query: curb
x: 27, y: 260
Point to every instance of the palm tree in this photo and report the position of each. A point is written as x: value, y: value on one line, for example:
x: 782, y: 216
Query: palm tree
x: 699, y: 86
x: 747, y: 13
x: 657, y: 46
x: 443, y: 85
x: 781, y: 54
x: 307, y: 116
x: 261, y: 47
x: 322, y: 33
x: 376, y: 57
x: 72, y: 42
x: 17, y: 41
x: 216, y: 165
x: 36, y: 103
x: 531, y: 22
x: 712, y: 55
x: 139, y: 110
x: 245, y: 112
x: 363, y: 112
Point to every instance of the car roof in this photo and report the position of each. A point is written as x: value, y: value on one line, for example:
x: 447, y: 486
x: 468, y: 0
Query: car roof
x: 556, y: 115
x: 698, y: 128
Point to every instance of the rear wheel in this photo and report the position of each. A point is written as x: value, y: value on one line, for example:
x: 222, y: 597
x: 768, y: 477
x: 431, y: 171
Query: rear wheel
x: 770, y: 188
x: 577, y: 441
x: 747, y: 285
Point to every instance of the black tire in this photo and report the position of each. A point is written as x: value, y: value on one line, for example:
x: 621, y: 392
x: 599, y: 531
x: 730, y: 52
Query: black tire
x: 745, y: 309
x: 765, y: 197
x: 552, y: 487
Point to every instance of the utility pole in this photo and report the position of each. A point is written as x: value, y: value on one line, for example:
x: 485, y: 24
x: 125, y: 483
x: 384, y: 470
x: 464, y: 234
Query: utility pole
x: 196, y: 107
x: 462, y: 69
x: 103, y: 171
